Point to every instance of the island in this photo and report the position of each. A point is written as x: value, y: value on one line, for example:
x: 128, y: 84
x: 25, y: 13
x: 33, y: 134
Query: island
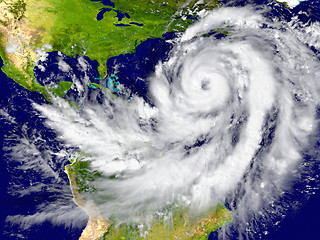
x: 99, y: 30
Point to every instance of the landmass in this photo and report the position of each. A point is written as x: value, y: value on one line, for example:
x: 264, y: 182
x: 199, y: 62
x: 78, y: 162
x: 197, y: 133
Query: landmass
x: 98, y: 29
x: 289, y: 3
x: 79, y: 177
x: 183, y: 225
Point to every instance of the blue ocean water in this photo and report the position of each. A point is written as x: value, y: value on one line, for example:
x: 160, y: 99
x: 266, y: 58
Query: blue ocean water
x: 16, y: 102
x: 301, y: 222
x: 301, y: 225
x: 132, y: 70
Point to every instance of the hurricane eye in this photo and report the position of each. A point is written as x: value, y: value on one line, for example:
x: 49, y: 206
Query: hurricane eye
x: 205, y: 84
x: 177, y: 126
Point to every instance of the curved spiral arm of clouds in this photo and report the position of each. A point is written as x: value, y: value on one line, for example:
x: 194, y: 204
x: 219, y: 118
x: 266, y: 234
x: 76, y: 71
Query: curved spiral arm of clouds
x: 230, y: 120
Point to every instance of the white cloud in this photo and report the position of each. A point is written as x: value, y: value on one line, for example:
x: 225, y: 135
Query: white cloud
x: 186, y: 146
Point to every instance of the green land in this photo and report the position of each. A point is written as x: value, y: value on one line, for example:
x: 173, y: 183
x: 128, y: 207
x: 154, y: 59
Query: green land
x: 71, y: 26
x: 182, y: 225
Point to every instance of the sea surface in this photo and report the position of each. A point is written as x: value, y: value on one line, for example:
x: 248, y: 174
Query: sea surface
x: 132, y: 69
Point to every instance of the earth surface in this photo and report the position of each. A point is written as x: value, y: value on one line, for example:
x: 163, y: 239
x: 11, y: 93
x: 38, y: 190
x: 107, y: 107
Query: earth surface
x: 159, y: 119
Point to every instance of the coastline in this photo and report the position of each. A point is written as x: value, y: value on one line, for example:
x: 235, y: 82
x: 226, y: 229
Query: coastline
x: 97, y: 225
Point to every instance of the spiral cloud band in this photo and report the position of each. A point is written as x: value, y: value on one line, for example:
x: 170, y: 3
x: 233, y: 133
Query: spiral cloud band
x: 228, y: 115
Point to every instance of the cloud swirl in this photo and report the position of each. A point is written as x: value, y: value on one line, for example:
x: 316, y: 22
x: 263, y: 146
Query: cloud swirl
x: 228, y: 115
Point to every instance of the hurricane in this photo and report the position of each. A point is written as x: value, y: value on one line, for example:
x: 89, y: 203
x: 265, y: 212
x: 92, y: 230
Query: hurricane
x: 228, y: 118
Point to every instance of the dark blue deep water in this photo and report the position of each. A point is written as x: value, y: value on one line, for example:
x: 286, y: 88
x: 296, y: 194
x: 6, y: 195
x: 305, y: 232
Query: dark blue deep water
x: 131, y: 69
x: 302, y: 222
x: 16, y: 101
